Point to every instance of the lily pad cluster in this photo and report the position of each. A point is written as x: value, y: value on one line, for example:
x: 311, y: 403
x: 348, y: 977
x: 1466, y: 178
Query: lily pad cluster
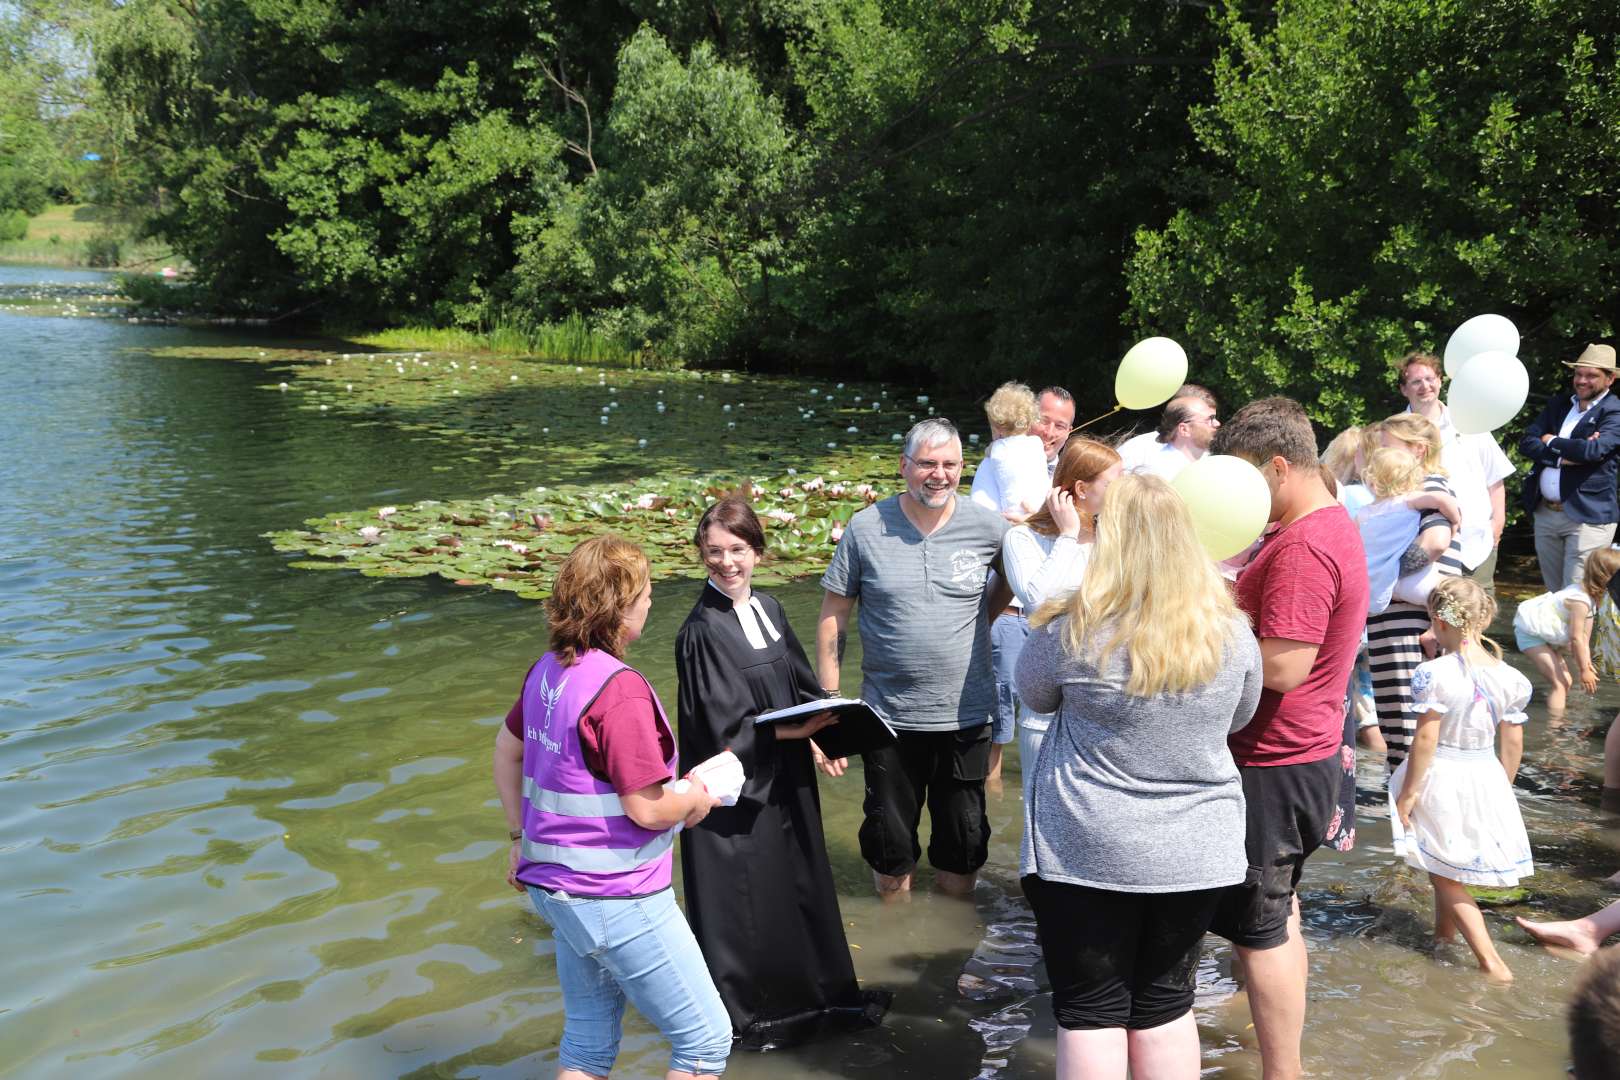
x: 639, y: 453
x: 515, y: 542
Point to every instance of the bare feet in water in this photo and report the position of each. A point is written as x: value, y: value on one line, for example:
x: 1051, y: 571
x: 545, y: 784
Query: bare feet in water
x: 1577, y: 934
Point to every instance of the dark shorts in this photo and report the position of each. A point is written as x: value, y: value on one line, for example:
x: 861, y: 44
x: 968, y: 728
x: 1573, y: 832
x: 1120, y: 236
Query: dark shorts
x: 1290, y: 810
x: 1118, y: 959
x: 944, y: 770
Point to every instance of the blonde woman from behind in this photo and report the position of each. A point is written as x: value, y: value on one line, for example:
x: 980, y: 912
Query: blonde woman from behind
x: 1148, y: 666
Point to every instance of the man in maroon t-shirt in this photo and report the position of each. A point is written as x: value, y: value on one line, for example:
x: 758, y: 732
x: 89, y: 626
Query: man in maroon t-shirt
x: 1306, y: 594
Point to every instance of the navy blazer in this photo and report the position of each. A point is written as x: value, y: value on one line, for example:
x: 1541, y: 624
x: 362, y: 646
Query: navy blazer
x: 1587, y: 476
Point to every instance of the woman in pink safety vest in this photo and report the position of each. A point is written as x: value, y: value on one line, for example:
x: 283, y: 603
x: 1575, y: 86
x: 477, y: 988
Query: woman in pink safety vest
x: 585, y: 766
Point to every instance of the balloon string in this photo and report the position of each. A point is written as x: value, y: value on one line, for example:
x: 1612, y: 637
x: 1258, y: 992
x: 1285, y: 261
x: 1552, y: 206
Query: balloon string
x: 1094, y: 419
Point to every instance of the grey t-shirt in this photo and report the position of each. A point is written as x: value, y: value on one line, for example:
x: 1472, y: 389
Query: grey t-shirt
x: 925, y: 645
x: 1130, y: 793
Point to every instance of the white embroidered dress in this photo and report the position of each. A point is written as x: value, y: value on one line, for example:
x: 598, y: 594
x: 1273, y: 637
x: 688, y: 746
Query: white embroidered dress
x: 1466, y: 825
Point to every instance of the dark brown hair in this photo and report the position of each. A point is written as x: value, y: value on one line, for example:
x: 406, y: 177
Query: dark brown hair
x: 734, y: 515
x: 1177, y: 413
x: 595, y: 584
x: 1594, y: 1018
x: 1268, y: 428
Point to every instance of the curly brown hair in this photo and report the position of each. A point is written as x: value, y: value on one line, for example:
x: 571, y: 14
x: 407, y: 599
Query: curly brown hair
x: 596, y: 583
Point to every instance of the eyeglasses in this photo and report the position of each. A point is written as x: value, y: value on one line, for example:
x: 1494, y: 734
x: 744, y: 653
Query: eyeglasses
x: 930, y: 465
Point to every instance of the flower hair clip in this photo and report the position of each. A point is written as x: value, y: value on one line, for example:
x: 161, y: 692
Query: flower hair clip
x: 1451, y: 611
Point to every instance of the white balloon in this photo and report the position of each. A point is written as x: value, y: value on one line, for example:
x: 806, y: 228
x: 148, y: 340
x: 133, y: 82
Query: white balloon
x: 1482, y: 333
x: 1488, y: 392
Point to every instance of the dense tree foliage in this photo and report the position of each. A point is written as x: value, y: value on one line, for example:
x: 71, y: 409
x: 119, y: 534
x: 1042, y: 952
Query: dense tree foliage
x: 1373, y: 174
x: 974, y: 188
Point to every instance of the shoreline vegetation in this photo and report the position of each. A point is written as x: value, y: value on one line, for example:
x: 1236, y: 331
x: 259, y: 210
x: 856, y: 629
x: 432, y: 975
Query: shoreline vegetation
x: 83, y: 236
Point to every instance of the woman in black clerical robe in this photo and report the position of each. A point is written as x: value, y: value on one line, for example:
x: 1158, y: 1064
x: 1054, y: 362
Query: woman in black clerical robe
x: 759, y: 891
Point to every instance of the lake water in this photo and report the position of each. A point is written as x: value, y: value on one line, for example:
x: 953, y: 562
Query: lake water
x: 247, y: 825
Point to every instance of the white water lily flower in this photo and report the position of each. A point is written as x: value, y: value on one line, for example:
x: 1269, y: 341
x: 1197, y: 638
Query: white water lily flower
x: 645, y: 502
x: 545, y: 431
x: 895, y: 437
x: 836, y: 534
x: 328, y: 361
x: 323, y: 408
x: 641, y: 443
x: 787, y: 493
x: 814, y: 485
x: 604, y: 419
x: 514, y: 378
x: 840, y: 386
x: 793, y: 472
x: 835, y: 489
x: 853, y: 430
x: 731, y: 423
x: 387, y: 512
x: 349, y: 385
x: 832, y: 446
x: 974, y: 439
x: 283, y: 386
x: 370, y: 533
x: 922, y: 399
x: 725, y: 408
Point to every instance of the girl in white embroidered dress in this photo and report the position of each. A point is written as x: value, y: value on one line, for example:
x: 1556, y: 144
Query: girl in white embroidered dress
x: 1453, y: 812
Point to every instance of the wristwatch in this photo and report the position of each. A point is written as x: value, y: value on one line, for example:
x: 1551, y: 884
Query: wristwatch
x: 514, y: 834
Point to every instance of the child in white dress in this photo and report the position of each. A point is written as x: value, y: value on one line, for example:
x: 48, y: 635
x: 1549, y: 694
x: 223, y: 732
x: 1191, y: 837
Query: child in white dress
x: 1453, y: 812
x: 1546, y: 624
x: 1012, y: 479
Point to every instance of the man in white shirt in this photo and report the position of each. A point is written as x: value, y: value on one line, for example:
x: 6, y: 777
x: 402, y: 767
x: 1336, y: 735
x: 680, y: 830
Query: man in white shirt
x: 1185, y: 431
x: 1056, y: 406
x: 1475, y: 464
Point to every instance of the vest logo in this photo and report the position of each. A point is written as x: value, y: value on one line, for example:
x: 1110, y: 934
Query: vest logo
x: 551, y: 697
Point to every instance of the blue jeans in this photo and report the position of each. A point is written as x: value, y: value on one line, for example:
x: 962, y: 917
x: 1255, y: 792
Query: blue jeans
x: 640, y: 949
x: 1007, y: 636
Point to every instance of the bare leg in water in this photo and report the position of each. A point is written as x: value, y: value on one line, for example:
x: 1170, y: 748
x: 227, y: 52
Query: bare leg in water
x: 1584, y: 935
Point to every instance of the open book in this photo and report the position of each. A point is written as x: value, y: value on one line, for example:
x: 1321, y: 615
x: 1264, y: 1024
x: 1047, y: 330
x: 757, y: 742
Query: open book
x: 861, y: 727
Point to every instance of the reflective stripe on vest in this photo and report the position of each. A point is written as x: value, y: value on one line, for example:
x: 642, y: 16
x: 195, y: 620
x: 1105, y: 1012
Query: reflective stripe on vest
x: 565, y: 804
x: 596, y: 860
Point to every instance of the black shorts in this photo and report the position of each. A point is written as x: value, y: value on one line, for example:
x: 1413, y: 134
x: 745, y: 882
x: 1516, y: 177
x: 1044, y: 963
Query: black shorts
x: 1119, y: 959
x: 945, y: 770
x: 1290, y: 809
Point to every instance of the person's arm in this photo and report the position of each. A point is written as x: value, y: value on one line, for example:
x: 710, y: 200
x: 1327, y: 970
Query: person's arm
x: 1035, y: 676
x: 1253, y: 676
x: 659, y: 806
x: 1498, y: 494
x: 1418, y: 760
x: 1286, y: 664
x: 1510, y: 739
x: 1034, y: 574
x: 1435, y: 539
x: 1580, y: 630
x: 831, y: 630
x: 1438, y: 501
x: 1533, y: 446
x: 508, y: 774
x: 1595, y: 447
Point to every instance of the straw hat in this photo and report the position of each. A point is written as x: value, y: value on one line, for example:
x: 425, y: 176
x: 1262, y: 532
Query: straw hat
x: 1596, y: 356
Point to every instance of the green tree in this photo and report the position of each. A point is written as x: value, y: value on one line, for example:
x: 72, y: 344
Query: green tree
x: 1372, y: 177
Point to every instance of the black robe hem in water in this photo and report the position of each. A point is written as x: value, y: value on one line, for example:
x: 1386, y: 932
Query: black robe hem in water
x: 759, y: 891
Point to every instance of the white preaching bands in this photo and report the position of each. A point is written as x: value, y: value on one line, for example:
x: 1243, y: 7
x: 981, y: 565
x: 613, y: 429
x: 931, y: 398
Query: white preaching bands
x: 752, y: 617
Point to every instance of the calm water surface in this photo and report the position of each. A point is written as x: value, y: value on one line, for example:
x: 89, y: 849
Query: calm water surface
x: 247, y: 824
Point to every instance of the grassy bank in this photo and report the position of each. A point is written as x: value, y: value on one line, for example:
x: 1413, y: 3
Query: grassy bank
x: 90, y: 236
x: 571, y: 341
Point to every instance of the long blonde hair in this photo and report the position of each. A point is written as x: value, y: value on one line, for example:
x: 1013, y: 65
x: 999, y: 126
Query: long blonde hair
x: 1151, y: 591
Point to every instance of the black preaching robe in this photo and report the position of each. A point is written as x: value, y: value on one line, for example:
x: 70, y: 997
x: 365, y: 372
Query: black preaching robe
x: 759, y: 890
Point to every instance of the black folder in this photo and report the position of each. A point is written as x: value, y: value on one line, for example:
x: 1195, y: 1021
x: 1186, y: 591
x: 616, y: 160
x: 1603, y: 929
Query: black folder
x: 860, y: 728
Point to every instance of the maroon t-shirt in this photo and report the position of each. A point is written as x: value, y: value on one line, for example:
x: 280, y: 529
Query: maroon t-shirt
x: 1308, y: 583
x: 623, y: 743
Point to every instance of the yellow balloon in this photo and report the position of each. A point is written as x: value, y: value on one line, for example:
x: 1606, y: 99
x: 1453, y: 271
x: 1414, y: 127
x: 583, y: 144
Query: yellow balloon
x: 1152, y: 371
x: 1229, y: 501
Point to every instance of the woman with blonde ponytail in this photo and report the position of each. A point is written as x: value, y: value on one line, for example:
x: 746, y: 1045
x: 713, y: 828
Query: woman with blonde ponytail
x: 1135, y: 821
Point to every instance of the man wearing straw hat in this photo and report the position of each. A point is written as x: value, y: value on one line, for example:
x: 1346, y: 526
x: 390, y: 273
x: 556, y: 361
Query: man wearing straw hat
x: 1574, y: 451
